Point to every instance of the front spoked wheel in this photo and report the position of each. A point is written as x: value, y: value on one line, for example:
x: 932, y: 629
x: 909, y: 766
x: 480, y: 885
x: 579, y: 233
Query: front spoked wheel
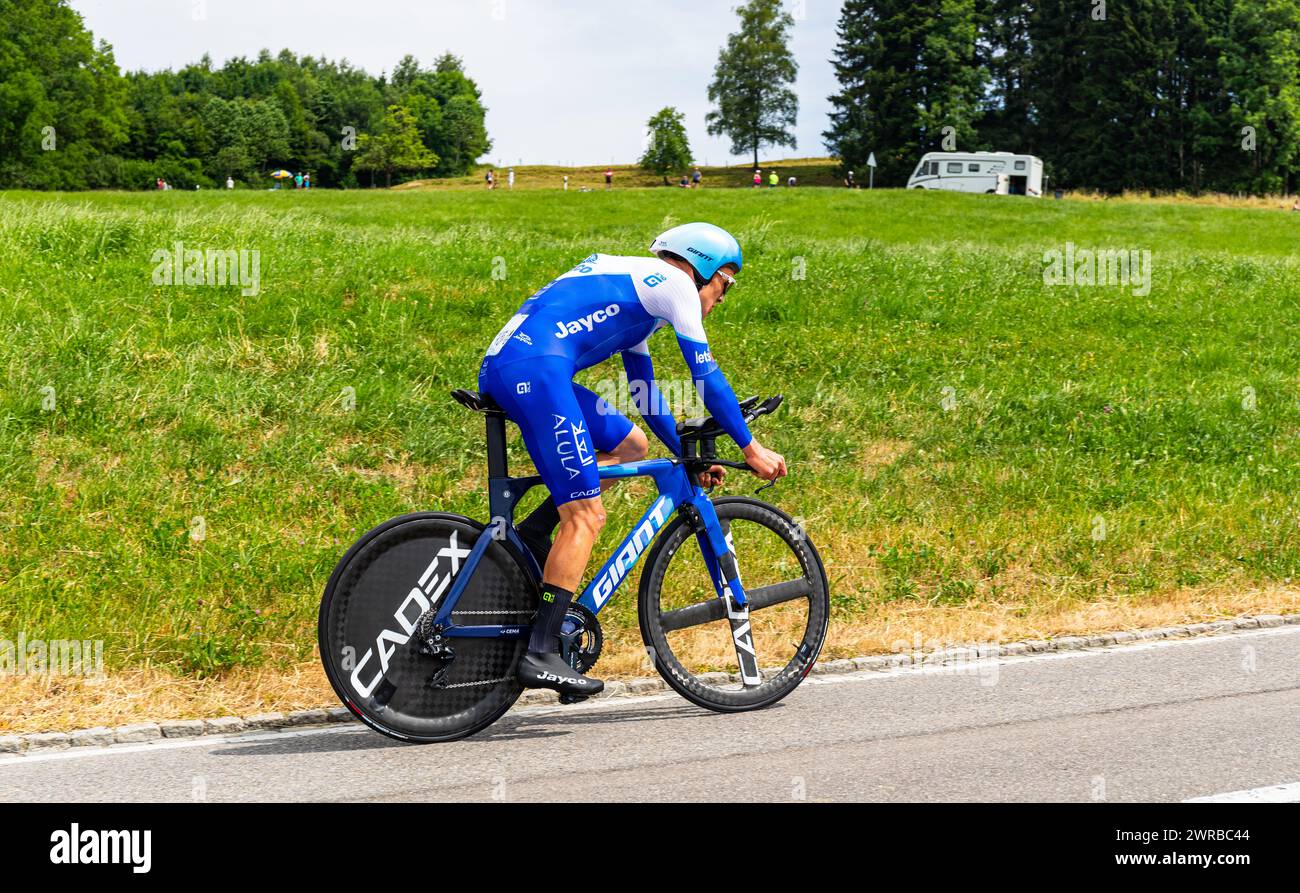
x: 685, y: 625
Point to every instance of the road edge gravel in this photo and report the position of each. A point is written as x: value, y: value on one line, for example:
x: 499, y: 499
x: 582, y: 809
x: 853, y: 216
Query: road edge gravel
x: 145, y: 732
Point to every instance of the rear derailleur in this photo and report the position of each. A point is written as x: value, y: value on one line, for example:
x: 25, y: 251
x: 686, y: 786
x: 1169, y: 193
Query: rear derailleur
x: 429, y: 642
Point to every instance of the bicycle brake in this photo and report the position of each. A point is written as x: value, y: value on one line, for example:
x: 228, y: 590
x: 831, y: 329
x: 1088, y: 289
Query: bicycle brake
x: 693, y: 518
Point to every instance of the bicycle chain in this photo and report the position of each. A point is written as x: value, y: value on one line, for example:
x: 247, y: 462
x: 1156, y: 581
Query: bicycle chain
x: 473, y: 684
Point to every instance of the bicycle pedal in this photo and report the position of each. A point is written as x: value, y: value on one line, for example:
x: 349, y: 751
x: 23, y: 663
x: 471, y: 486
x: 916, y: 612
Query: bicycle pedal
x: 572, y: 699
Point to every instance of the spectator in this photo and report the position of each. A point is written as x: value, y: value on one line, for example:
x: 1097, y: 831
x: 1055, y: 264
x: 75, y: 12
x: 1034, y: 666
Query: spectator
x: 850, y: 182
x: 793, y: 182
x: 490, y: 179
x: 230, y: 182
x: 774, y: 181
x: 510, y: 178
x: 297, y: 180
x: 685, y: 183
x: 758, y: 179
x: 609, y: 178
x: 698, y: 178
x: 160, y: 184
x: 566, y: 182
x: 306, y: 181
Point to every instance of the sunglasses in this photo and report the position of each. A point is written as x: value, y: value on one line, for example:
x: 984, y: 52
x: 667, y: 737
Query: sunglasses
x: 726, y: 278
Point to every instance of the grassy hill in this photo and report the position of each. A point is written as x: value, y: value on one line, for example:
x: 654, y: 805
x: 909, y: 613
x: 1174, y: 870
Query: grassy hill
x: 978, y: 454
x: 810, y: 171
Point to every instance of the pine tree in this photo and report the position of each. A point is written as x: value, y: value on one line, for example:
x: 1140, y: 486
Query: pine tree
x: 909, y: 83
x: 1201, y: 148
x: 859, y: 65
x: 1064, y: 122
x: 1005, y: 53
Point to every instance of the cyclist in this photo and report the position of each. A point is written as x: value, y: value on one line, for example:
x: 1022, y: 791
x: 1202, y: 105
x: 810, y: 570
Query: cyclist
x: 607, y: 305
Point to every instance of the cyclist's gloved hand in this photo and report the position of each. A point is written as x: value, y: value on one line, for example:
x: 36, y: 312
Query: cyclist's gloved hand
x: 767, y: 465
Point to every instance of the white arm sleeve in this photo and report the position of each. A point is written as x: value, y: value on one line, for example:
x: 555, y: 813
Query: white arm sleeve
x: 674, y: 299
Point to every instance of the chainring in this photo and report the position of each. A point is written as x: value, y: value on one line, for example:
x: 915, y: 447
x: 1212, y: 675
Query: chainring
x: 581, y: 638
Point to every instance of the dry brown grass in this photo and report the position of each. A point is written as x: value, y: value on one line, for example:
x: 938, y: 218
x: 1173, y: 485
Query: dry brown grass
x: 38, y: 703
x: 33, y: 704
x: 883, y: 453
x: 1209, y: 199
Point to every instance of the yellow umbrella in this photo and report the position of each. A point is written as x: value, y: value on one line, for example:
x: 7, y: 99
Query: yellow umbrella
x: 281, y: 175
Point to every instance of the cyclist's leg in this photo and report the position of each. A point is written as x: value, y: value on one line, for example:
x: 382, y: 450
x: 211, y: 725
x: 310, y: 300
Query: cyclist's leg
x: 569, y: 431
x: 617, y: 441
x: 538, y: 396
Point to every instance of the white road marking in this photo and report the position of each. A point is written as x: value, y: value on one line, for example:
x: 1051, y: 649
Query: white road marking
x: 975, y: 667
x: 1278, y: 793
x: 971, y: 668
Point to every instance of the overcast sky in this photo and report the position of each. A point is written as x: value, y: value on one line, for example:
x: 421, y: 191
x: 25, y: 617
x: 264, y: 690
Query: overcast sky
x: 565, y: 81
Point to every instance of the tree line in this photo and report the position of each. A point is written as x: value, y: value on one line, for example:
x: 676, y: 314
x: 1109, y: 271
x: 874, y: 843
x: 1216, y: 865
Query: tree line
x: 69, y: 119
x: 1193, y: 95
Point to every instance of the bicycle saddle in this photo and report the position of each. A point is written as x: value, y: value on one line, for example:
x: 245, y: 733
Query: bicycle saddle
x: 476, y: 401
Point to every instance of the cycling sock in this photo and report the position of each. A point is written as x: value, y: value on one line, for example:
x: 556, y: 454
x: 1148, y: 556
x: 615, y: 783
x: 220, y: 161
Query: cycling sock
x: 550, y: 617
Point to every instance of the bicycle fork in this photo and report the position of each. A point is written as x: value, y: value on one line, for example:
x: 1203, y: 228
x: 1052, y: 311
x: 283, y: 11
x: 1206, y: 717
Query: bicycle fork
x: 720, y: 557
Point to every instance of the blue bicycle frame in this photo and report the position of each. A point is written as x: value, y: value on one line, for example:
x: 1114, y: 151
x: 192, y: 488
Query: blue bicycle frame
x: 677, y: 492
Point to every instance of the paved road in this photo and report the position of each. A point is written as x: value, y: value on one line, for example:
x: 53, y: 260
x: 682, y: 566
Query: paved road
x: 1166, y: 721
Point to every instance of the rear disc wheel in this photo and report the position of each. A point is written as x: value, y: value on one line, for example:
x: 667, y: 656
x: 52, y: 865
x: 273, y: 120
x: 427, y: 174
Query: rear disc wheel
x: 368, y: 615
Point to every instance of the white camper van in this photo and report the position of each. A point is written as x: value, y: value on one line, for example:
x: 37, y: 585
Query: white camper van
x: 998, y: 173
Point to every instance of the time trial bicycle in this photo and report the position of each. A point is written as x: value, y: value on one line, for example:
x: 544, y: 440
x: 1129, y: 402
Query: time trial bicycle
x: 424, y: 620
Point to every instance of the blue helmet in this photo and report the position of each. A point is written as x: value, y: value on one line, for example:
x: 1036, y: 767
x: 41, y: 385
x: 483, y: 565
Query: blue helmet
x: 704, y: 246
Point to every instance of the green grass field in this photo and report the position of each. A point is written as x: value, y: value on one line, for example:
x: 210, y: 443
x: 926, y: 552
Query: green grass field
x: 960, y: 435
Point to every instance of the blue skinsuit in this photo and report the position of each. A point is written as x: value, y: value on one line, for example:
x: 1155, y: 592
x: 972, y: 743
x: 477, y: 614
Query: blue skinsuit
x: 607, y: 305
